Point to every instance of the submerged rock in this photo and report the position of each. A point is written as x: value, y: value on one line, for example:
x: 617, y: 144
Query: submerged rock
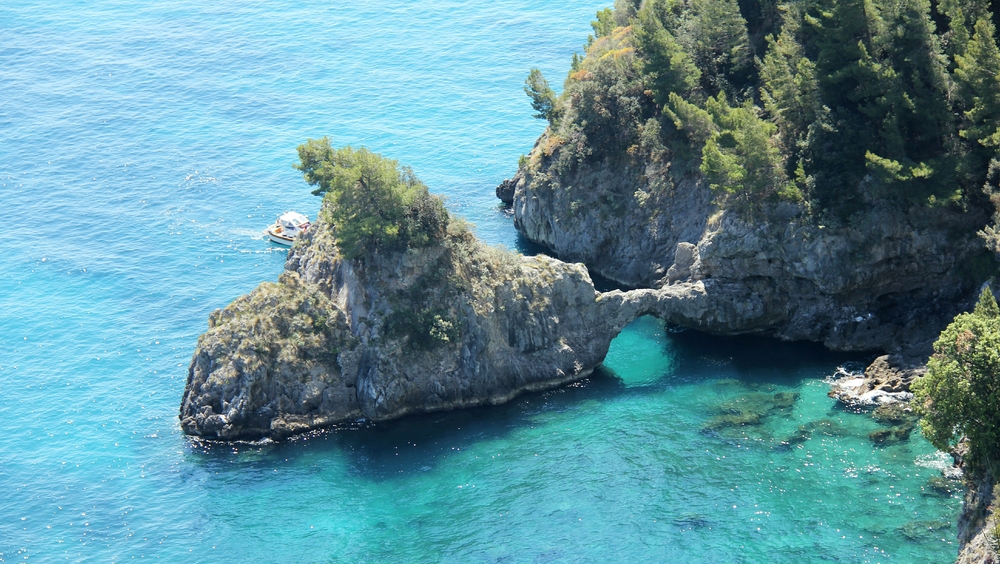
x: 922, y: 530
x: 893, y: 413
x: 749, y: 410
x: 898, y: 434
x: 941, y: 486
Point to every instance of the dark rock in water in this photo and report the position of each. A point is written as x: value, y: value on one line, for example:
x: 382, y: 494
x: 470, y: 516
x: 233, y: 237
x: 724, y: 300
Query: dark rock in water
x: 939, y: 485
x: 922, y: 530
x: 505, y: 191
x: 893, y: 413
x: 796, y: 439
x: 750, y: 410
x: 693, y: 521
x: 785, y: 400
x: 828, y: 427
x: 734, y: 420
x: 892, y: 435
x: 806, y: 431
x: 885, y: 381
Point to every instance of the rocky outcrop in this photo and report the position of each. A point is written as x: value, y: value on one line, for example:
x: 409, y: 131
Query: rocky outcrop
x: 505, y: 191
x: 888, y: 280
x: 886, y: 380
x: 268, y: 365
x: 978, y: 527
x: 452, y: 325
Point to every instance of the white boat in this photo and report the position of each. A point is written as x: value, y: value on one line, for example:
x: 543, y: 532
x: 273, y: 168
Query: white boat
x: 287, y: 228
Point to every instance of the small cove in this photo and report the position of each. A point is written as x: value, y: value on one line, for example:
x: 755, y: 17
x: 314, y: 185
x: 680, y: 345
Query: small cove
x: 153, y: 142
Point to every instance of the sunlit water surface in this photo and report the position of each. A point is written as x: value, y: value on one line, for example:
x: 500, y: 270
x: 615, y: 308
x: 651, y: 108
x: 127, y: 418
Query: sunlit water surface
x: 144, y: 145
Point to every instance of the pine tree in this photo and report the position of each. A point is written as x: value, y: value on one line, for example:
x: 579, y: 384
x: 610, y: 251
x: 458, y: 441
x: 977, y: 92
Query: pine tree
x: 837, y: 34
x: 668, y: 66
x: 715, y: 34
x: 543, y: 99
x: 741, y: 161
x: 906, y: 101
x: 962, y: 16
x: 604, y: 24
x: 789, y: 88
x: 978, y: 76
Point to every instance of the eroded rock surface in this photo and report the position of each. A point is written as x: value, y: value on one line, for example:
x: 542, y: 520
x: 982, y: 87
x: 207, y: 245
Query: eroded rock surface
x: 449, y: 326
x: 890, y: 279
x: 886, y: 380
x: 977, y: 525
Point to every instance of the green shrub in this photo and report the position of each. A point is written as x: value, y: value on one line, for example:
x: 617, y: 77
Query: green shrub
x: 372, y: 202
x: 960, y: 394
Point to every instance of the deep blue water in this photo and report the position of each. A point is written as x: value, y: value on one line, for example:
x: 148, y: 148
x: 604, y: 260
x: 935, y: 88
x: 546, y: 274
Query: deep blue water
x: 143, y: 147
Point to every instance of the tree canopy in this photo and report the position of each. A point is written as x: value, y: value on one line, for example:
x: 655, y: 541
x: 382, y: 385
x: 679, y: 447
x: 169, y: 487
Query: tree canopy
x: 543, y: 98
x: 373, y: 203
x: 960, y: 394
x: 894, y: 101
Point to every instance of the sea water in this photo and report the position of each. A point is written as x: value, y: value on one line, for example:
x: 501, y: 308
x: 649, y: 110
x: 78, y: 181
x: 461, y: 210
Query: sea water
x: 143, y: 148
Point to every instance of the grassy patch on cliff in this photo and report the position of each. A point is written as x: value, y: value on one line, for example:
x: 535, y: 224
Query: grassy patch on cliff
x: 287, y: 321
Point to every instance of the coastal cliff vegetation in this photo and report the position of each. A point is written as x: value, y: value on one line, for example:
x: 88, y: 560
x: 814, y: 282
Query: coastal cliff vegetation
x: 959, y: 395
x: 832, y: 106
x: 958, y: 399
x: 838, y: 159
x: 376, y: 203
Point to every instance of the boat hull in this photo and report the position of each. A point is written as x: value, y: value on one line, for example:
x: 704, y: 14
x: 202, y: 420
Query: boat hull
x: 279, y: 238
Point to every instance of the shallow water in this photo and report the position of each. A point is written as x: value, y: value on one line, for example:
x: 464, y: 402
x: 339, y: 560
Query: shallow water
x: 143, y: 146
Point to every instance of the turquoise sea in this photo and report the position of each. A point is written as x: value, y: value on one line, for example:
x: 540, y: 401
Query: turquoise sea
x: 144, y: 146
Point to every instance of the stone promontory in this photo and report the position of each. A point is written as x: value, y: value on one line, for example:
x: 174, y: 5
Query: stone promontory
x: 451, y: 325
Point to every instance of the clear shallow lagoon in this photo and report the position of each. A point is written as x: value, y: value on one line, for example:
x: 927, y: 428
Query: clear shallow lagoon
x: 143, y: 147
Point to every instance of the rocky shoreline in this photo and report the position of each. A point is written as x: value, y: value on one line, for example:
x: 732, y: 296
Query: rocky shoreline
x: 449, y: 326
x: 884, y: 388
x: 889, y: 282
x: 459, y: 324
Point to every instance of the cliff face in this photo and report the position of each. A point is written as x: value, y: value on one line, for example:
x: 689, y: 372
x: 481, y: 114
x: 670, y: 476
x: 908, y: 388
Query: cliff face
x: 888, y: 280
x: 451, y: 325
x: 977, y: 523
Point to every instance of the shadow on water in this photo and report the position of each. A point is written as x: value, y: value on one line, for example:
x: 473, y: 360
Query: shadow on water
x: 756, y: 358
x: 417, y: 443
x: 385, y: 450
x: 530, y: 248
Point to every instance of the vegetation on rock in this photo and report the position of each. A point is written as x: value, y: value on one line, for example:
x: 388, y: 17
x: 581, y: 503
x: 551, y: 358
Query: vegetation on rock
x: 373, y: 202
x: 833, y: 105
x: 959, y: 397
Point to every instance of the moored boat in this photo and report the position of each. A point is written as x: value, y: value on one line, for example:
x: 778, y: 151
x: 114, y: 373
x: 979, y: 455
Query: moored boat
x: 288, y: 227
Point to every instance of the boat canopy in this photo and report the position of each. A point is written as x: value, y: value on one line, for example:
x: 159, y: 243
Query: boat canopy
x: 293, y: 220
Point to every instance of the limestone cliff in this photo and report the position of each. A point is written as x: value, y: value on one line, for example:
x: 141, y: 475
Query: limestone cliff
x: 977, y: 525
x: 452, y: 325
x: 890, y: 279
